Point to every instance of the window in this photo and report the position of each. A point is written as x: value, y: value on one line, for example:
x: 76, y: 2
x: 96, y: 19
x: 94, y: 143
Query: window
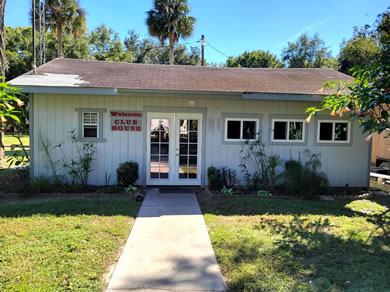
x: 90, y: 125
x: 288, y: 130
x: 241, y: 129
x: 333, y: 132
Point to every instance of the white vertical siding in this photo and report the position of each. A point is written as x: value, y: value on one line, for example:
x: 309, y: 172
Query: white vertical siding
x: 55, y: 117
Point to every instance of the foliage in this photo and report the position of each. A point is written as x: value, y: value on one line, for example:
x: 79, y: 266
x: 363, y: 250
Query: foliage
x: 226, y: 191
x: 62, y: 244
x: 257, y: 166
x: 365, y: 99
x: 131, y: 189
x: 219, y: 179
x: 65, y: 16
x: 79, y: 168
x: 19, y: 49
x: 105, y: 45
x: 113, y: 189
x: 361, y: 50
x: 255, y: 59
x: 48, y: 149
x: 149, y: 52
x: 214, y: 178
x: 307, y: 52
x: 295, y: 245
x: 262, y: 193
x: 304, y: 178
x: 169, y: 20
x: 9, y: 100
x: 127, y: 173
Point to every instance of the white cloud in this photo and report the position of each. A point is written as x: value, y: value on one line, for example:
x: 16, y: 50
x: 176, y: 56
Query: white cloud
x: 307, y: 28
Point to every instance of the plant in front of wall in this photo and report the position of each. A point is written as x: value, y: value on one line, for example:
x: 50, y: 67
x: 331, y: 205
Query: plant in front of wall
x: 48, y: 149
x: 263, y: 193
x: 79, y: 167
x: 258, y: 167
x: 304, y: 179
x: 127, y: 173
x: 227, y: 191
x: 214, y: 178
x: 131, y: 189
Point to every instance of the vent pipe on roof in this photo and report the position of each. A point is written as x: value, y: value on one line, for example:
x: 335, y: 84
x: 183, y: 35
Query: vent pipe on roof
x: 203, y: 42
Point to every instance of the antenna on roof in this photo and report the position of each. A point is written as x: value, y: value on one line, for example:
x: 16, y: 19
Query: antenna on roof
x: 39, y: 24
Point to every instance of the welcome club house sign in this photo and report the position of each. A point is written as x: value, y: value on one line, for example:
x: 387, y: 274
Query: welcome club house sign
x: 126, y: 121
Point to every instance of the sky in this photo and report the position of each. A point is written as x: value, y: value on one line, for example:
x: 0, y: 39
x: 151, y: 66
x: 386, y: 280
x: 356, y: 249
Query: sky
x: 233, y: 26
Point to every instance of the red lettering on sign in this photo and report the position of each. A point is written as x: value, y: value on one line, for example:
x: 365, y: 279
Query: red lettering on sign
x: 128, y: 122
x: 135, y: 122
x: 114, y: 114
x: 120, y: 128
x: 132, y: 128
x: 114, y: 128
x: 116, y: 122
x: 122, y: 122
x: 138, y: 129
x: 127, y: 128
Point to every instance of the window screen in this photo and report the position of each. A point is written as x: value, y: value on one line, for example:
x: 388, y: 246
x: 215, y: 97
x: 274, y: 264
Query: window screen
x: 90, y: 125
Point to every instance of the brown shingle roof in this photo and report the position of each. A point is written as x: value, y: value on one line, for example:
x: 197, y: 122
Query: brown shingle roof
x: 99, y: 74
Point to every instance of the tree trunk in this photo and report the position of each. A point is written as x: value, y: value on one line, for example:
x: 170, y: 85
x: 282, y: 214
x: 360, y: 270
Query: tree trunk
x: 171, y: 51
x: 3, y: 63
x: 60, y: 52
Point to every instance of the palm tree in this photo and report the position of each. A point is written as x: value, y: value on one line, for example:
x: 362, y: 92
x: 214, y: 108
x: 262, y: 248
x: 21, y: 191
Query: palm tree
x: 65, y: 16
x: 169, y: 20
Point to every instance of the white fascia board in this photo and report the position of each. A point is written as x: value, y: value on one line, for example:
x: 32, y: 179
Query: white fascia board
x: 67, y: 90
x: 283, y: 96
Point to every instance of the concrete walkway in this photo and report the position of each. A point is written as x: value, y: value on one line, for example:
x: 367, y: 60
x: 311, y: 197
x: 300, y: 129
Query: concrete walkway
x: 168, y: 249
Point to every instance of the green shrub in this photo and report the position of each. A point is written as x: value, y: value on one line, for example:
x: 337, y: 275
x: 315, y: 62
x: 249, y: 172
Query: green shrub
x: 305, y: 179
x: 258, y: 167
x: 40, y: 185
x: 127, y: 173
x: 114, y: 189
x: 214, y: 178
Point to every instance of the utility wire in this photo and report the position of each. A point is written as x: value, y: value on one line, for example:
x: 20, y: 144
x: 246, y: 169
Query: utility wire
x: 239, y: 65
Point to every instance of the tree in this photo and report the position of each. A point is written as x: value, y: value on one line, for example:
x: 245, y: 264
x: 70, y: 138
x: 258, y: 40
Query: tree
x: 367, y: 98
x: 105, y: 45
x: 255, y: 59
x: 169, y: 20
x: 307, y: 52
x: 65, y: 16
x: 361, y: 50
x: 149, y: 52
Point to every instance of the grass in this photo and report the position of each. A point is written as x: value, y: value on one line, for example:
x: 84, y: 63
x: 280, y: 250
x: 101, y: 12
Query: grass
x: 10, y: 140
x: 294, y: 245
x: 61, y: 245
x: 376, y: 185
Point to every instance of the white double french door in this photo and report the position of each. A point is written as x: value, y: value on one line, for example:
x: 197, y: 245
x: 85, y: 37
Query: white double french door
x: 174, y: 142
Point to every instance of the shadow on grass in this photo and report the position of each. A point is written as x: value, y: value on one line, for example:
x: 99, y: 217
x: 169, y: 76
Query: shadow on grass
x: 71, y: 207
x: 301, y: 252
x: 258, y: 206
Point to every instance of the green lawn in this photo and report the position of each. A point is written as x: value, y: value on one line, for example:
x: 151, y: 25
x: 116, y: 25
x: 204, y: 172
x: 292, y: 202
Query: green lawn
x: 10, y: 140
x: 294, y: 245
x: 61, y: 245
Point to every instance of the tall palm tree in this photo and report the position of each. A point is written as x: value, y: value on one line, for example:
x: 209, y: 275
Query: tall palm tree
x: 65, y: 16
x: 169, y: 20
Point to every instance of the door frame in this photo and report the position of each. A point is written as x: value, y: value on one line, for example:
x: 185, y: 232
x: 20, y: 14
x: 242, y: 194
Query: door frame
x: 169, y: 112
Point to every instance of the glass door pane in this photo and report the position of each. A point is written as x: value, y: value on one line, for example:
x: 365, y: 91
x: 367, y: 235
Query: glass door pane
x: 159, y: 148
x: 188, y: 149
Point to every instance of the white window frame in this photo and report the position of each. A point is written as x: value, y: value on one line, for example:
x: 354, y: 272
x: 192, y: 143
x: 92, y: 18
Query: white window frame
x: 334, y: 122
x: 90, y: 124
x: 288, y: 131
x: 241, y: 120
